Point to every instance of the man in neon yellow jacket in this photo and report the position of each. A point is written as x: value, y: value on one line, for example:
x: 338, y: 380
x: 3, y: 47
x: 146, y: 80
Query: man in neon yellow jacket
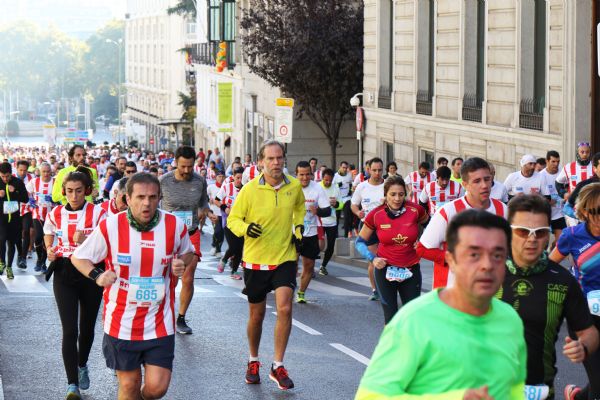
x: 76, y: 159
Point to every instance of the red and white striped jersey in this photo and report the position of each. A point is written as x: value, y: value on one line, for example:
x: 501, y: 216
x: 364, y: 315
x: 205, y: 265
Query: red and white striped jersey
x: 228, y: 180
x: 138, y: 256
x: 63, y: 223
x: 437, y: 197
x: 227, y: 194
x: 198, y: 168
x: 318, y: 175
x: 250, y: 173
x: 25, y: 208
x: 358, y: 179
x: 110, y: 207
x: 417, y: 184
x: 211, y: 175
x: 42, y: 194
x: 573, y: 173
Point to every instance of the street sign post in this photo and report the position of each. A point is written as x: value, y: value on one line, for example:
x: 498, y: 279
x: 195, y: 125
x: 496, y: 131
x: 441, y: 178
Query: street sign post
x: 359, y: 122
x: 284, y: 119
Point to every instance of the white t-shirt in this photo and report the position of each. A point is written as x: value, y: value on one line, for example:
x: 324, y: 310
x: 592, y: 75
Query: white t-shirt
x: 314, y: 195
x: 517, y: 184
x: 212, y: 191
x: 343, y: 183
x: 549, y: 189
x: 368, y: 196
x: 331, y: 191
x: 499, y: 192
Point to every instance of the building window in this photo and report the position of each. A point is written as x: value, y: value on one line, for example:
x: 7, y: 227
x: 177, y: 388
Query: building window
x: 428, y: 157
x: 221, y: 27
x: 425, y: 56
x: 388, y: 152
x: 533, y: 64
x: 386, y: 49
x: 474, y: 60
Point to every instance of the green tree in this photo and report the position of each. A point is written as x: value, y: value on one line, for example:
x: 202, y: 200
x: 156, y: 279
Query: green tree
x: 185, y: 8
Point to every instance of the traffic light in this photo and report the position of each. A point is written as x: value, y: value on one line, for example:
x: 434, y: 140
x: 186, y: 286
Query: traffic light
x: 222, y: 57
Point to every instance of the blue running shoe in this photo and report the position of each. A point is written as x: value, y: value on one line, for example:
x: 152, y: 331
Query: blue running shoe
x: 84, y: 378
x: 73, y: 393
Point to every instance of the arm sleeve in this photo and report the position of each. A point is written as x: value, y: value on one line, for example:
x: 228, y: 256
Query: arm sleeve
x: 94, y: 248
x: 236, y: 219
x: 361, y: 246
x: 435, y: 255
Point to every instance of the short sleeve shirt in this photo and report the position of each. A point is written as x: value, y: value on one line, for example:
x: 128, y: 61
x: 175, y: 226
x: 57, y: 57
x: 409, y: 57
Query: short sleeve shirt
x: 578, y: 242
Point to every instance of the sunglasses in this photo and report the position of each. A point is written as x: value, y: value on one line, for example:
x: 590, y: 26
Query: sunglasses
x: 130, y: 171
x: 593, y: 211
x: 525, y: 232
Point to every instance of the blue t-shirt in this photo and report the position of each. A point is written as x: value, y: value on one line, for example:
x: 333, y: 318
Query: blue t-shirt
x: 585, y: 249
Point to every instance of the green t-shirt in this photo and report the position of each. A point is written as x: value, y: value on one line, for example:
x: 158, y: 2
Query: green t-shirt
x: 457, y: 180
x: 57, y: 195
x: 433, y: 351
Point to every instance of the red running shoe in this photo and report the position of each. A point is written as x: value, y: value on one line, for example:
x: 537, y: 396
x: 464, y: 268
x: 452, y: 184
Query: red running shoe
x: 252, y: 376
x: 280, y: 376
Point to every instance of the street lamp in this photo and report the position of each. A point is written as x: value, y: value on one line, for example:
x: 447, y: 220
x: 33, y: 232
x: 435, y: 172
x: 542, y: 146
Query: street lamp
x: 119, y: 44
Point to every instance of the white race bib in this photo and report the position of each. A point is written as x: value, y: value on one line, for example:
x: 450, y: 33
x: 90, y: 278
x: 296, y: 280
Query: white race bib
x: 593, y: 299
x: 42, y: 199
x: 397, y: 274
x: 186, y: 216
x: 536, y: 392
x: 146, y: 291
x: 10, y: 207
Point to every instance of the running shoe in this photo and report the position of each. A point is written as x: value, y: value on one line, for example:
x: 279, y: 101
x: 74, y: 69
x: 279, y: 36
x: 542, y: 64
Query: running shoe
x: 212, y: 251
x: 84, y: 378
x: 22, y: 263
x: 9, y: 273
x: 374, y: 296
x: 323, y: 271
x: 280, y: 376
x: 220, y: 267
x: 571, y: 391
x: 300, y: 298
x: 182, y: 327
x: 2, y: 268
x: 38, y: 266
x: 44, y: 269
x: 252, y: 376
x: 236, y: 276
x: 73, y: 393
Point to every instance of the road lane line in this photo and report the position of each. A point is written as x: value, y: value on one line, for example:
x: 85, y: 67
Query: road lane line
x: 24, y: 284
x: 305, y: 328
x: 357, y: 356
x: 1, y: 389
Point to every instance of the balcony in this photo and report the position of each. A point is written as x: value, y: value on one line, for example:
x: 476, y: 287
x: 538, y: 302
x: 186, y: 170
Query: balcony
x: 531, y: 115
x: 206, y: 53
x: 471, y: 107
x: 424, y: 102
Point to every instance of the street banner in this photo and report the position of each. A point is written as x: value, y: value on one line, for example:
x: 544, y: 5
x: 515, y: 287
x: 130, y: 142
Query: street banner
x: 284, y: 119
x: 76, y: 137
x: 225, y: 106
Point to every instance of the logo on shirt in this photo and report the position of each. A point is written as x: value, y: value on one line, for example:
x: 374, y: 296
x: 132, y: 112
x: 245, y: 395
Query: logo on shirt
x: 385, y: 226
x: 166, y: 261
x: 400, y: 239
x: 147, y: 244
x: 522, y: 288
x: 584, y: 248
x: 123, y: 258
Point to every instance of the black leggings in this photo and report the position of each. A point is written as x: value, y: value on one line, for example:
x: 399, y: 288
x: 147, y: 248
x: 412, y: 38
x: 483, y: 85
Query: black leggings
x: 349, y: 219
x: 235, y: 246
x: 409, y: 289
x: 10, y: 234
x: 77, y: 299
x: 218, y: 237
x: 332, y: 234
x: 40, y: 249
x: 26, y: 239
x: 592, y: 367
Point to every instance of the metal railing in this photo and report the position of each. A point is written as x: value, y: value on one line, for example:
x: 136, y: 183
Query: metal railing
x: 424, y: 102
x: 384, y: 99
x: 206, y: 53
x: 531, y: 114
x: 471, y: 107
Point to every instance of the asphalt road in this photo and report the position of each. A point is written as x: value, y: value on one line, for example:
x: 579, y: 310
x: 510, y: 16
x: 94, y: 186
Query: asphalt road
x: 332, y: 339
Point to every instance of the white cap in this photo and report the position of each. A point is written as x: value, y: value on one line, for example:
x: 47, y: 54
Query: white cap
x: 528, y: 158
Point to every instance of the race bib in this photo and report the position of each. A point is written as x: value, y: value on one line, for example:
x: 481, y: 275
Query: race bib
x: 146, y: 291
x: 64, y: 251
x: 519, y: 189
x: 397, y: 274
x: 536, y: 392
x: 593, y: 299
x: 11, y: 207
x: 43, y: 199
x: 186, y: 217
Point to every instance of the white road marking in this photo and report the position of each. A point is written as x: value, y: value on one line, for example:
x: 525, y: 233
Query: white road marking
x: 357, y: 356
x: 24, y: 284
x: 1, y: 390
x: 305, y: 328
x: 225, y: 280
x: 197, y: 289
x: 334, y: 290
x: 358, y: 280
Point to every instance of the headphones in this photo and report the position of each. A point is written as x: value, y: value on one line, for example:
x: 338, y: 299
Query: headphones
x: 88, y: 190
x: 124, y: 199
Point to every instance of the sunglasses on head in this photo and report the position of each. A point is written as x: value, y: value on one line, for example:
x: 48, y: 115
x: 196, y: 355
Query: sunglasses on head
x: 593, y: 211
x: 526, y: 232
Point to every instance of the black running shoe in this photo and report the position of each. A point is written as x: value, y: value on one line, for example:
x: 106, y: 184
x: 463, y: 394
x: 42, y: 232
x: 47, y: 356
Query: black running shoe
x: 280, y: 376
x: 22, y: 263
x: 182, y: 327
x: 252, y: 376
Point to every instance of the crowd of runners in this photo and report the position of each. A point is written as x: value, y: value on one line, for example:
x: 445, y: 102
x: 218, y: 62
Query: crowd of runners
x: 511, y: 260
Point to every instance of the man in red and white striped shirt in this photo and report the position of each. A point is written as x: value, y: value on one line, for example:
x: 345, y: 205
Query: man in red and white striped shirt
x: 119, y: 202
x: 440, y: 192
x: 576, y: 171
x: 477, y: 182
x: 40, y: 189
x: 145, y: 250
x: 250, y: 173
x: 416, y: 181
x: 25, y: 210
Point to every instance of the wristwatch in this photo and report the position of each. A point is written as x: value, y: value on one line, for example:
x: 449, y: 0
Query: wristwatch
x: 95, y: 273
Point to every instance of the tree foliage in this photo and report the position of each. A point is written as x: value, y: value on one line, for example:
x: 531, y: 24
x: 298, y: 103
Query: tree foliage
x: 185, y: 8
x: 313, y: 51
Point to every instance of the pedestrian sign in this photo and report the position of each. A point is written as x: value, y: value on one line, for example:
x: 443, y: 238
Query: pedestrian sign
x: 284, y: 119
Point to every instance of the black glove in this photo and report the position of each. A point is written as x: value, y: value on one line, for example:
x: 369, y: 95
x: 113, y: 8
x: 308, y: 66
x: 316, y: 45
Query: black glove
x: 254, y: 230
x: 297, y: 237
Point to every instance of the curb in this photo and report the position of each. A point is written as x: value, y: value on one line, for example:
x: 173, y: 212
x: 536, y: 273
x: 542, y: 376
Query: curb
x: 348, y: 261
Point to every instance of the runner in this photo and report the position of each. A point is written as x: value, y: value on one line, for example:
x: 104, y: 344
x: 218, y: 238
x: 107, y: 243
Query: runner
x: 317, y: 205
x: 582, y: 244
x: 458, y: 342
x: 391, y: 169
x: 594, y: 179
x: 119, y: 202
x: 456, y: 168
x: 263, y: 213
x: 549, y: 175
x: 235, y: 245
x: 417, y: 180
x: 26, y: 218
x: 369, y: 195
x: 12, y: 193
x: 184, y: 194
x: 396, y: 224
x: 251, y: 172
x: 149, y: 253
x: 130, y: 169
x: 499, y: 191
x: 525, y: 181
x: 120, y: 164
x: 576, y: 171
x: 477, y: 182
x: 40, y: 189
x: 533, y: 284
x: 330, y: 223
x: 76, y: 156
x: 78, y: 299
x: 343, y: 180
x: 441, y: 191
x: 219, y: 234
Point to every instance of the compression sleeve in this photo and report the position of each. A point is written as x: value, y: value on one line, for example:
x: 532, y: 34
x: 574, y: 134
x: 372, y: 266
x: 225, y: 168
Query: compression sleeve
x: 363, y: 250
